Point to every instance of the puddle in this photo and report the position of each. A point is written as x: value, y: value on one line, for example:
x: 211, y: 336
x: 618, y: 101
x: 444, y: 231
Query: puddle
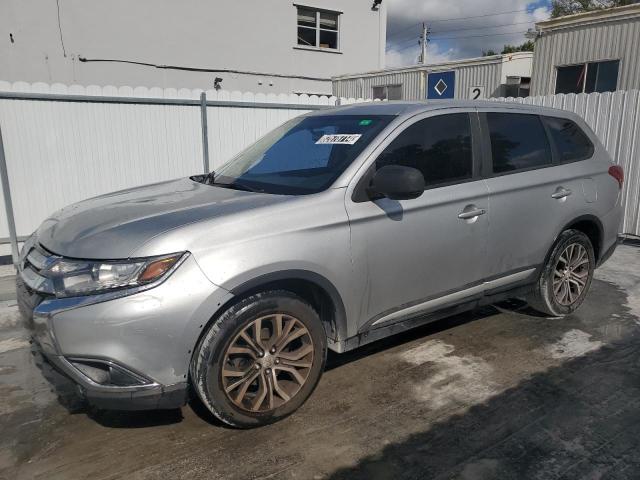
x: 573, y: 343
x: 452, y: 379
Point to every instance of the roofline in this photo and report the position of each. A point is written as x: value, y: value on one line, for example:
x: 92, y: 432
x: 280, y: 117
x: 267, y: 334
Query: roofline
x: 588, y: 18
x: 437, y: 66
x: 416, y: 107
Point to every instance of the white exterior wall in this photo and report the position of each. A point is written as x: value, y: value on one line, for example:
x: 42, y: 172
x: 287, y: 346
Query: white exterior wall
x: 516, y: 66
x: 246, y: 35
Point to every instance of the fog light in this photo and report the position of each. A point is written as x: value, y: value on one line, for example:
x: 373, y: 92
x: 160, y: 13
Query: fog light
x: 106, y: 373
x: 97, y: 373
x: 121, y: 378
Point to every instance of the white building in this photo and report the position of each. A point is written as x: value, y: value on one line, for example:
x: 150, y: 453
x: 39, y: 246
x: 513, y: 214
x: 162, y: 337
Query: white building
x: 273, y: 46
x: 471, y: 78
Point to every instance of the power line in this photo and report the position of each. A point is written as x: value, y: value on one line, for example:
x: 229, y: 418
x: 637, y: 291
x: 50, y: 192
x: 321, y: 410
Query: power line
x: 482, y: 16
x: 467, y: 29
x: 528, y: 10
x: 64, y: 51
x: 483, y: 28
x: 479, y: 36
x: 199, y: 69
x: 466, y: 36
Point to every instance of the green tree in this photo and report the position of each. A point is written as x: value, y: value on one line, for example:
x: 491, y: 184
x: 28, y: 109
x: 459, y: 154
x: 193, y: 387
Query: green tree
x: 525, y: 47
x: 560, y: 8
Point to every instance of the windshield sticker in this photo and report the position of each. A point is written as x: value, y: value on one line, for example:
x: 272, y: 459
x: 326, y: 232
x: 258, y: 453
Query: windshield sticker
x: 338, y: 139
x: 365, y: 123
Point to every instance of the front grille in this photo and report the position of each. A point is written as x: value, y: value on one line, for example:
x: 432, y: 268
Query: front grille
x: 28, y: 300
x: 31, y: 268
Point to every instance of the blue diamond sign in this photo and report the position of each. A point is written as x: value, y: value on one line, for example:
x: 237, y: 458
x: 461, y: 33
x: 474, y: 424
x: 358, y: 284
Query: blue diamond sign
x: 441, y: 85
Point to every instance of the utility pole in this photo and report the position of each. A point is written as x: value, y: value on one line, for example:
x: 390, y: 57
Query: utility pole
x: 424, y: 40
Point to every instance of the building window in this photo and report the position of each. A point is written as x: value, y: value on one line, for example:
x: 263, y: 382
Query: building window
x: 588, y: 77
x: 317, y: 28
x: 387, y: 92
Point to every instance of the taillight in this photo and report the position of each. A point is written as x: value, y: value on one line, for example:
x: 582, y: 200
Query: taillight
x: 617, y: 172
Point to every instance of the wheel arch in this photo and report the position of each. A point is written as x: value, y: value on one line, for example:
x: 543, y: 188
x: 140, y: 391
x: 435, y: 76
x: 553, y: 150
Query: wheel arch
x: 592, y: 227
x: 311, y: 286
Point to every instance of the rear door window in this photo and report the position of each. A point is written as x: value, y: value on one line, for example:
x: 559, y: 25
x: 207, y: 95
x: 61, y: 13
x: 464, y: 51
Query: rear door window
x: 572, y: 144
x: 518, y: 142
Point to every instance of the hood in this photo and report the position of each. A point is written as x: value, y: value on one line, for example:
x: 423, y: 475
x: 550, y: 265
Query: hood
x: 114, y: 225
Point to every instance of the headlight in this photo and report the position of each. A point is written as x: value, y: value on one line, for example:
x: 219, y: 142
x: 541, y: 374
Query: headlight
x: 68, y: 278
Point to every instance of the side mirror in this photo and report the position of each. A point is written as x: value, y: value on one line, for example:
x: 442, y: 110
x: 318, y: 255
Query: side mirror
x: 397, y: 182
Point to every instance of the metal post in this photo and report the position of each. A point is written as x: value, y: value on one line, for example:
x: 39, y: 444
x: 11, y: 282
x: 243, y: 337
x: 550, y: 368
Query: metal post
x: 8, y: 205
x: 205, y: 132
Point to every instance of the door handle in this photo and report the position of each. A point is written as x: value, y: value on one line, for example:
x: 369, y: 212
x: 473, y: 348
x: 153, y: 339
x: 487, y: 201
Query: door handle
x: 471, y: 212
x: 561, y: 193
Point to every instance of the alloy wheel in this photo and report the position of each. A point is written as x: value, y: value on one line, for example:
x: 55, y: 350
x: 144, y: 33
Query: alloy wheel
x: 571, y: 274
x: 267, y: 363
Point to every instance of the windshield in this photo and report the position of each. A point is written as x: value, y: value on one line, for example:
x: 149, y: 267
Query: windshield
x: 305, y: 155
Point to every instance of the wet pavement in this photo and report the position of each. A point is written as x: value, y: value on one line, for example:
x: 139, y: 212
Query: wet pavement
x: 496, y: 393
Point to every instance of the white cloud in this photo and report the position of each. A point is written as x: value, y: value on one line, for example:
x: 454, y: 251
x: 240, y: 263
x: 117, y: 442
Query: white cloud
x: 399, y: 58
x: 541, y: 13
x: 471, y: 34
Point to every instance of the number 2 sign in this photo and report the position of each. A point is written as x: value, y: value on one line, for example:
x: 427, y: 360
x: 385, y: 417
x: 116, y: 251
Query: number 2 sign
x: 477, y: 92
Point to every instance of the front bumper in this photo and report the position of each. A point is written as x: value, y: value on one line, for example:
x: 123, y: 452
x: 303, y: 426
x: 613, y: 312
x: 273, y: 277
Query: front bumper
x: 145, y: 339
x: 151, y: 396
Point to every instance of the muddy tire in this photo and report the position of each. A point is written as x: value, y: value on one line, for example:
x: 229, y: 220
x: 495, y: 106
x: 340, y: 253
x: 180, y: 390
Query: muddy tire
x: 260, y: 360
x: 566, y: 277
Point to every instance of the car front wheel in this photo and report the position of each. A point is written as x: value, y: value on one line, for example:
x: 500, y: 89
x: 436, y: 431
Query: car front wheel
x: 260, y: 360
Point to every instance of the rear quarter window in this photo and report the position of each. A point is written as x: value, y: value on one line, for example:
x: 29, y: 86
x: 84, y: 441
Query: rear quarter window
x: 518, y: 142
x: 572, y: 144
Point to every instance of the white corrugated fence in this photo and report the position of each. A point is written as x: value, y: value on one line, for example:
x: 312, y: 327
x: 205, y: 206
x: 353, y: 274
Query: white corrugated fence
x: 66, y: 143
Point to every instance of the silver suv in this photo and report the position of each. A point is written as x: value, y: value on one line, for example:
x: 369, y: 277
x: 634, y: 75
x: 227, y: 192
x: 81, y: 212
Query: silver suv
x: 337, y: 229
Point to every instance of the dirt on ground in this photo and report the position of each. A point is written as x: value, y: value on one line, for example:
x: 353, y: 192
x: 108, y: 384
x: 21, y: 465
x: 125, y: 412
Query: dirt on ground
x: 499, y: 393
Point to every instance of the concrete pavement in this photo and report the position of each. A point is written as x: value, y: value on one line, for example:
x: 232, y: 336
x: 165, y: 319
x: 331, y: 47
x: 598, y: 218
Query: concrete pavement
x: 498, y: 393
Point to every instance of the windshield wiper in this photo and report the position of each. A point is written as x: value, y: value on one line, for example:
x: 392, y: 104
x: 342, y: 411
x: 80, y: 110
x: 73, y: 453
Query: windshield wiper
x: 207, y: 178
x: 210, y: 179
x: 239, y: 186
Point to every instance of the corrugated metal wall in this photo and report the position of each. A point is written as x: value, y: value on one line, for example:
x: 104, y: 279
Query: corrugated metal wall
x: 488, y: 75
x: 605, y: 41
x: 615, y: 118
x: 414, y: 86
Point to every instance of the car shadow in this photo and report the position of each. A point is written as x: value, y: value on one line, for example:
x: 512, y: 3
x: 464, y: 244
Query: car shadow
x: 336, y: 360
x: 577, y: 420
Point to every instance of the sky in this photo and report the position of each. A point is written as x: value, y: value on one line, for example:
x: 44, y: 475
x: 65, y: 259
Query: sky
x: 460, y: 28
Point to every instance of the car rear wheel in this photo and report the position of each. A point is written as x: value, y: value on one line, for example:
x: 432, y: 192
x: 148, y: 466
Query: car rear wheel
x: 260, y: 360
x: 566, y: 277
